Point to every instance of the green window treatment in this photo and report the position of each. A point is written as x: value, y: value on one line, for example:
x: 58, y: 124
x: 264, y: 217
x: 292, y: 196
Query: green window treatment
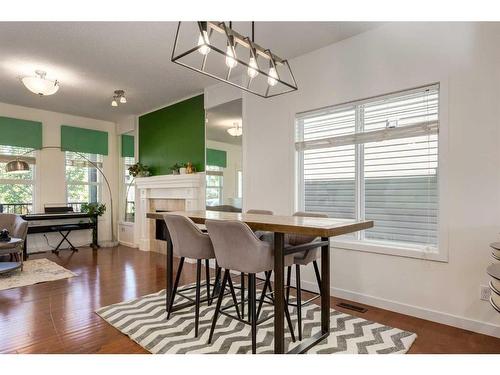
x: 127, y: 146
x: 20, y: 133
x: 84, y: 140
x: 217, y: 158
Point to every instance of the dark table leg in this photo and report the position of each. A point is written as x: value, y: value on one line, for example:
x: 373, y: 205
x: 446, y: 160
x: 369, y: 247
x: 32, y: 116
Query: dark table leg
x: 325, y: 287
x: 25, y: 249
x: 279, y: 290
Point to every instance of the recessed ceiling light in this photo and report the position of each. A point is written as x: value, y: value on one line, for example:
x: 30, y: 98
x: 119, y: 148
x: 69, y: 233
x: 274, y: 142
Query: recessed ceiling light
x: 40, y: 85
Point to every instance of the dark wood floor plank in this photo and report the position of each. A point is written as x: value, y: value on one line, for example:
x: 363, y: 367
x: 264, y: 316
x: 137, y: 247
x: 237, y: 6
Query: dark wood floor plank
x: 59, y: 316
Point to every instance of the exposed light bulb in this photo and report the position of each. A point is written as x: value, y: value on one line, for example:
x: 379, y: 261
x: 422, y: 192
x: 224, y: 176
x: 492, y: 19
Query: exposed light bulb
x: 252, y: 68
x: 230, y: 57
x: 202, y: 42
x: 123, y: 99
x: 272, y: 80
x: 114, y: 103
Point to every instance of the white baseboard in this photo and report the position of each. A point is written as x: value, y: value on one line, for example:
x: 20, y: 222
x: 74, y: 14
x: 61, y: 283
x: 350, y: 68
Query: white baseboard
x: 128, y: 244
x: 416, y: 311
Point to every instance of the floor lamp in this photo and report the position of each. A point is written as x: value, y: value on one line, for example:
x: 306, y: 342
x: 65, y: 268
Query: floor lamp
x: 21, y: 166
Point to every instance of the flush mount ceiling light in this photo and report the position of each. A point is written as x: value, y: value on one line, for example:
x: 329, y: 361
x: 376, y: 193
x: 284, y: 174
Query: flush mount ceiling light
x: 236, y: 130
x: 119, y: 96
x: 40, y: 85
x: 216, y: 50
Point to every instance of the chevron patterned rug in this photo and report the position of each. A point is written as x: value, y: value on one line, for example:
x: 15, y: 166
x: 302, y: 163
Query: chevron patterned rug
x: 144, y: 321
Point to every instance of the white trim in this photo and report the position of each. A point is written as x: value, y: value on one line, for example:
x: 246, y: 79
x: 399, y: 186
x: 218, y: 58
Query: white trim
x: 407, y: 309
x: 407, y: 251
x: 128, y: 244
x: 419, y: 312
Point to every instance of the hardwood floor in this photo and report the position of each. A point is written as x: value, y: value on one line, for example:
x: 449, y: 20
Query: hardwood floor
x: 58, y: 316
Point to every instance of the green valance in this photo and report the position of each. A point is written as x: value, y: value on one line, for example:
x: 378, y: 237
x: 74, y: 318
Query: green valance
x: 216, y: 158
x: 84, y: 140
x: 127, y: 146
x: 20, y: 133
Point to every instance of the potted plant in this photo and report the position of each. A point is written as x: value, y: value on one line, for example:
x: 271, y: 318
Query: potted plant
x: 175, y: 168
x: 94, y: 210
x: 139, y: 170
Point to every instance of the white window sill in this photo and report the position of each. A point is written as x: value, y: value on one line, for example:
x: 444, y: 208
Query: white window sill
x: 418, y: 252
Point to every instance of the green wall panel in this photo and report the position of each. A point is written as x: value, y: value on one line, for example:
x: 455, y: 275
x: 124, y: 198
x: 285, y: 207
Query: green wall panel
x: 127, y: 146
x: 174, y: 134
x: 84, y: 140
x: 20, y: 133
x: 216, y: 158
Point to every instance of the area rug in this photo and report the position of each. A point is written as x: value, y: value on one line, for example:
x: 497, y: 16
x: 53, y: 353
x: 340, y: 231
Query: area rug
x: 34, y: 271
x: 144, y: 321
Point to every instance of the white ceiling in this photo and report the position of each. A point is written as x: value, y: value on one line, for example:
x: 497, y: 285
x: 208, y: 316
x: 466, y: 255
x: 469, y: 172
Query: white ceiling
x: 92, y: 59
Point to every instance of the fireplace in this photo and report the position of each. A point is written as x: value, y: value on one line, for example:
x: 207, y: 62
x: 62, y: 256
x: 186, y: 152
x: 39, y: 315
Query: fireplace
x: 164, y: 194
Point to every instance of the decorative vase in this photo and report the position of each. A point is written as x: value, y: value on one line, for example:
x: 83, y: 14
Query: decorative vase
x: 182, y: 170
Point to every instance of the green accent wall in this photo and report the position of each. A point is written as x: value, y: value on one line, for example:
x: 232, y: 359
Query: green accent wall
x: 20, y: 133
x: 84, y: 140
x: 174, y: 134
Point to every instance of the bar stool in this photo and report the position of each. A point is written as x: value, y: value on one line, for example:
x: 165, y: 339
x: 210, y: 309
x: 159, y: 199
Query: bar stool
x: 188, y: 241
x: 237, y: 248
x: 302, y: 259
x: 260, y: 235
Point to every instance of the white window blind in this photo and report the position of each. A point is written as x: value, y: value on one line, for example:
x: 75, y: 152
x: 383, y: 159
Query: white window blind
x: 375, y: 159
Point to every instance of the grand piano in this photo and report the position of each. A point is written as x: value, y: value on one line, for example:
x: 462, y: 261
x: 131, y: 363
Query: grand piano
x: 58, y: 217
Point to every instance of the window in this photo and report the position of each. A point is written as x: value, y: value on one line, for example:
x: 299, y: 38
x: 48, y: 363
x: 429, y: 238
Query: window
x: 16, y: 189
x: 375, y: 159
x: 129, y: 189
x: 83, y: 180
x: 215, y: 179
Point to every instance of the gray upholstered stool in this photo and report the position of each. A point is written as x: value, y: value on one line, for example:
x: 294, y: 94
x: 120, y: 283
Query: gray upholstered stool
x: 188, y: 241
x: 302, y: 259
x: 237, y: 248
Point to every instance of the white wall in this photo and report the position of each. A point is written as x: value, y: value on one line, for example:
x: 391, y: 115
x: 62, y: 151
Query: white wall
x: 234, y: 163
x: 465, y: 58
x: 50, y: 169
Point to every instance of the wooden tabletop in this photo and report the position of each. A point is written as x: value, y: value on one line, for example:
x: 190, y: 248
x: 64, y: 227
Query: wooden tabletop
x: 315, y: 226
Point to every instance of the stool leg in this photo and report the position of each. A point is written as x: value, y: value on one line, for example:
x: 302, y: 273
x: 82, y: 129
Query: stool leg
x: 207, y: 277
x: 288, y: 277
x: 216, y: 289
x: 217, y: 307
x: 251, y: 310
x: 318, y: 276
x: 197, y: 298
x: 233, y: 294
x: 299, y: 301
x: 263, y: 294
x: 174, y: 290
x: 242, y: 287
x: 289, y: 321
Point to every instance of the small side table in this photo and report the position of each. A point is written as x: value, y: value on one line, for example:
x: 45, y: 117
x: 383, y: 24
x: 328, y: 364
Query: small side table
x: 11, y: 247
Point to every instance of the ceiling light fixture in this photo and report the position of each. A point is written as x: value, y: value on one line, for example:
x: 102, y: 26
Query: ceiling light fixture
x: 39, y: 84
x: 241, y: 69
x: 119, y: 96
x: 236, y: 130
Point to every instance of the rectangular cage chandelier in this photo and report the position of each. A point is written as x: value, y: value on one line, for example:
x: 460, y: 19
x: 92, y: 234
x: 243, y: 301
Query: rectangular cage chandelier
x: 216, y: 50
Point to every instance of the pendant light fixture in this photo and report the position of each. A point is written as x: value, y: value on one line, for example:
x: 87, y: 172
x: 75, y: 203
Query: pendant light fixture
x: 236, y: 130
x: 118, y: 97
x: 236, y: 60
x: 40, y: 85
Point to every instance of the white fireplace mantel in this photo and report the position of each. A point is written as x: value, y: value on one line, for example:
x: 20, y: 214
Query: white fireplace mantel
x: 187, y: 187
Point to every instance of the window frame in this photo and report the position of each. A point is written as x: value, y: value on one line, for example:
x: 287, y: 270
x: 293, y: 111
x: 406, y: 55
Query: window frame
x: 438, y: 253
x: 98, y: 184
x: 219, y: 173
x: 32, y: 182
x: 125, y: 189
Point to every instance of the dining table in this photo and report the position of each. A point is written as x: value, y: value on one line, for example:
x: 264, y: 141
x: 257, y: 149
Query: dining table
x: 323, y: 228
